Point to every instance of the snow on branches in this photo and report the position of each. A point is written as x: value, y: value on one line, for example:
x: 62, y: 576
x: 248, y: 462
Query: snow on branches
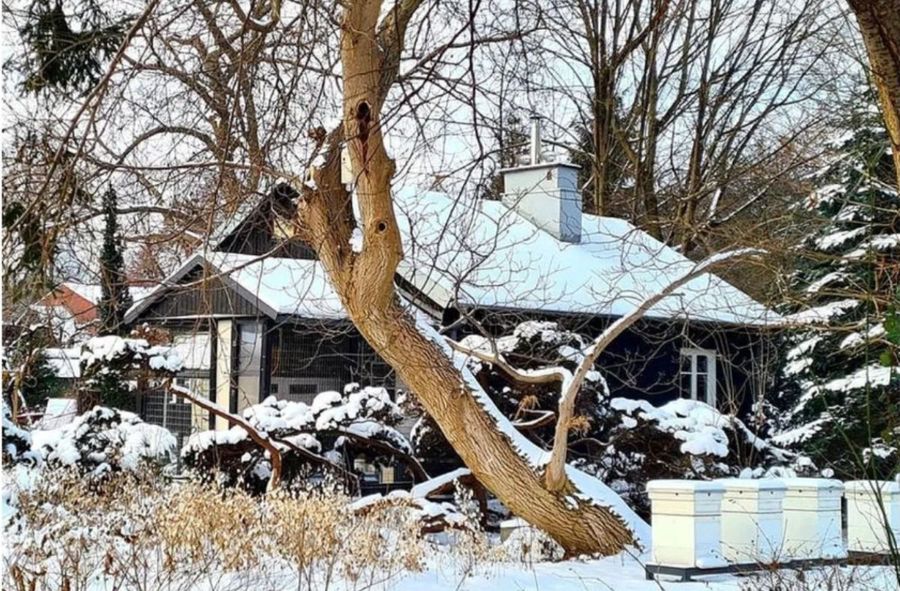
x: 104, y: 441
x: 622, y: 442
x: 315, y: 438
x: 107, y: 362
x: 110, y: 350
x: 841, y: 360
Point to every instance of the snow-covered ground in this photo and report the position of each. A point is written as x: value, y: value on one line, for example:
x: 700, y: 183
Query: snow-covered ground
x: 615, y: 573
x: 439, y: 562
x: 625, y: 573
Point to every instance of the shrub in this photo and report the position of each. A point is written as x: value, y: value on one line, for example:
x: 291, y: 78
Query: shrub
x: 147, y: 534
x: 316, y: 440
x: 104, y: 440
x: 623, y: 442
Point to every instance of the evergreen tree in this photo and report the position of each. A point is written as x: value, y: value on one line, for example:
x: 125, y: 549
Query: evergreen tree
x: 840, y: 384
x: 109, y: 386
x: 116, y: 299
x: 512, y: 137
x: 67, y: 45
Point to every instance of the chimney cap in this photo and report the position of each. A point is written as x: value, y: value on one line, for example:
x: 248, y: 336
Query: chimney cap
x: 539, y: 165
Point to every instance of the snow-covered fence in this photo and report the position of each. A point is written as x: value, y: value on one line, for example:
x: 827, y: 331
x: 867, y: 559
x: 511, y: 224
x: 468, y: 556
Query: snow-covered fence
x: 812, y: 519
x: 686, y: 523
x: 873, y: 508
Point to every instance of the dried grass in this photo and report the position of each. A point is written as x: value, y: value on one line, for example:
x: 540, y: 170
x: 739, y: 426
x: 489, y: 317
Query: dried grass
x: 143, y: 534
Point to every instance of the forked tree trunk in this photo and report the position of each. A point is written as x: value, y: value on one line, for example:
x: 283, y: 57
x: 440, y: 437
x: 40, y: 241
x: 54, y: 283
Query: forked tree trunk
x: 879, y: 23
x: 364, y: 282
x: 580, y: 527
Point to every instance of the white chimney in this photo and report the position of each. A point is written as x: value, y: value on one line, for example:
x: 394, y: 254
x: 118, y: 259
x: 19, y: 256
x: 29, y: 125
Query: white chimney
x: 545, y: 193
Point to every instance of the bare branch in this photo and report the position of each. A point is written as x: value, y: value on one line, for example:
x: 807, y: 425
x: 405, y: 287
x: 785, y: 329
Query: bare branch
x: 555, y: 473
x: 257, y: 437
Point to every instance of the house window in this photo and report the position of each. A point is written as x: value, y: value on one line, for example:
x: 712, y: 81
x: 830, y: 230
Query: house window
x: 302, y: 389
x: 698, y: 375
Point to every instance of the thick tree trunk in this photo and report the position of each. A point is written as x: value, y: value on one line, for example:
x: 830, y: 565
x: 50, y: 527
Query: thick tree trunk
x: 364, y: 280
x: 879, y: 23
x: 580, y: 527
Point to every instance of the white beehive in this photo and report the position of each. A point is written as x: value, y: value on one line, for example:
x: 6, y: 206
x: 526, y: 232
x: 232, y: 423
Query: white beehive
x: 508, y: 526
x: 812, y: 519
x: 873, y: 507
x: 752, y: 520
x: 686, y: 522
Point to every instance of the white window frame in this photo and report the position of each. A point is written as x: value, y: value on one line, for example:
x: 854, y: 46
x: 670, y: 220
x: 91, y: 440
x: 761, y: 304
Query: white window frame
x: 711, y: 357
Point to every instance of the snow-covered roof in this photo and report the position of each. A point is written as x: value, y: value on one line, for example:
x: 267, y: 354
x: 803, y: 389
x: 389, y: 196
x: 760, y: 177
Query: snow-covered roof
x: 94, y: 293
x: 286, y: 286
x: 65, y: 363
x: 277, y: 286
x: 482, y: 253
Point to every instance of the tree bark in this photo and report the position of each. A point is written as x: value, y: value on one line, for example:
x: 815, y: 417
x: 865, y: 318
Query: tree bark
x: 364, y: 281
x: 879, y: 23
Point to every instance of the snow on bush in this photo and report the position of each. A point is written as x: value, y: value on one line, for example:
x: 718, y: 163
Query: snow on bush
x: 625, y: 443
x: 701, y: 429
x: 104, y: 441
x: 109, y: 362
x: 313, y: 438
x: 153, y: 535
x: 16, y: 441
x: 433, y: 516
x: 110, y: 349
x: 679, y: 439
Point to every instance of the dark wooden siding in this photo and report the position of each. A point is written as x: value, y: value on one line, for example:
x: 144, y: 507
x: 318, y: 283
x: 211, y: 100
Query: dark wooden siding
x: 324, y: 354
x: 644, y: 362
x: 255, y: 236
x: 198, y: 297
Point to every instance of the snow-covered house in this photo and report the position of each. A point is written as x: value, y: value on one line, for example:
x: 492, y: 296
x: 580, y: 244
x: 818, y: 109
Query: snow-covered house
x: 261, y: 311
x: 70, y: 310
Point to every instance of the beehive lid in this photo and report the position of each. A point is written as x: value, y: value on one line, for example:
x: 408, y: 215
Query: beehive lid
x: 683, y: 486
x: 753, y: 485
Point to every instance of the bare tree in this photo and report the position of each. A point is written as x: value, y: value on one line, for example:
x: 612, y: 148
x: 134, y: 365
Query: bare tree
x: 695, y: 97
x: 546, y: 494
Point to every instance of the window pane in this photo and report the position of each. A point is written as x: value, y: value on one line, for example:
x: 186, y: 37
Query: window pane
x: 686, y: 385
x: 685, y: 363
x: 250, y: 348
x: 702, y: 364
x: 701, y: 388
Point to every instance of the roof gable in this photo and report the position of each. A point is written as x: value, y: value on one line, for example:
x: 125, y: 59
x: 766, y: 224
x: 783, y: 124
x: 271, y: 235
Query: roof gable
x: 253, y: 231
x: 271, y: 286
